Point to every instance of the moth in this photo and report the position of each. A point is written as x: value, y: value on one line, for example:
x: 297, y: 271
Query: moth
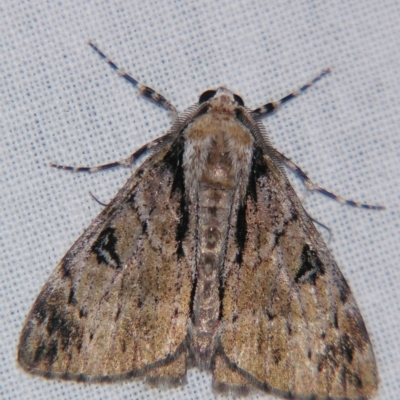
x: 205, y: 258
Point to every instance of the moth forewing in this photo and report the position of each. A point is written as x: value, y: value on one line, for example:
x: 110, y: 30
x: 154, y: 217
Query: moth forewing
x: 206, y: 256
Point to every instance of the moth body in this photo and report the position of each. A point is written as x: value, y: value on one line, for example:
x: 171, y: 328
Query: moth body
x: 206, y: 257
x: 216, y: 163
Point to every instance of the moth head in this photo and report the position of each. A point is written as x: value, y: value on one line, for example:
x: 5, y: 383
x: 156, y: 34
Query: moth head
x: 221, y: 95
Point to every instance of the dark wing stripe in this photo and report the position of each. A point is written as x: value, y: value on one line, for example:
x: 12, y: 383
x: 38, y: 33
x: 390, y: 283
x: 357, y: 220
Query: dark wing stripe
x: 258, y: 169
x: 174, y: 160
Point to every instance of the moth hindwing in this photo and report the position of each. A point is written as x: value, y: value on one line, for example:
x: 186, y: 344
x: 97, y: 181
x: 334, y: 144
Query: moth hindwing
x: 204, y: 258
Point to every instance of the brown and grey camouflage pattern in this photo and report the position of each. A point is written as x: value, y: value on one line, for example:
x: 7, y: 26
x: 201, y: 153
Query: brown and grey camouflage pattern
x: 205, y: 258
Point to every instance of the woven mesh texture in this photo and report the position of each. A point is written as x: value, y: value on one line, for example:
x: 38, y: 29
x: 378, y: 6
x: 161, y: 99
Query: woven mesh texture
x: 61, y: 103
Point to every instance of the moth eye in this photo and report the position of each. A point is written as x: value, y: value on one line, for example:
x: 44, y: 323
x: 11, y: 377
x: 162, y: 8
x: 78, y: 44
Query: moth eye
x: 238, y: 100
x: 207, y: 95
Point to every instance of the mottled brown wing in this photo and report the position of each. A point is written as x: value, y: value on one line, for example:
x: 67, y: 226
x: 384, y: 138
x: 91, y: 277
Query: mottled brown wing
x: 290, y: 323
x: 117, y: 305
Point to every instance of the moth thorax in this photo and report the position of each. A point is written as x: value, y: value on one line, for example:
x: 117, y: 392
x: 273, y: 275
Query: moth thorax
x: 218, y: 152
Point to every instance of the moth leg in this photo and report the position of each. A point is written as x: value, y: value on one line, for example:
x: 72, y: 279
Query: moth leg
x: 273, y: 105
x: 227, y: 379
x: 125, y: 162
x: 144, y: 90
x: 302, y: 199
x: 169, y: 375
x: 313, y: 187
x: 97, y: 200
x: 322, y: 226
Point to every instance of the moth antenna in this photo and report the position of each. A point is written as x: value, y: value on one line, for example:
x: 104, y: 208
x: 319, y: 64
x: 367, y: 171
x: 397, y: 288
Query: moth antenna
x: 274, y: 105
x: 143, y: 89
